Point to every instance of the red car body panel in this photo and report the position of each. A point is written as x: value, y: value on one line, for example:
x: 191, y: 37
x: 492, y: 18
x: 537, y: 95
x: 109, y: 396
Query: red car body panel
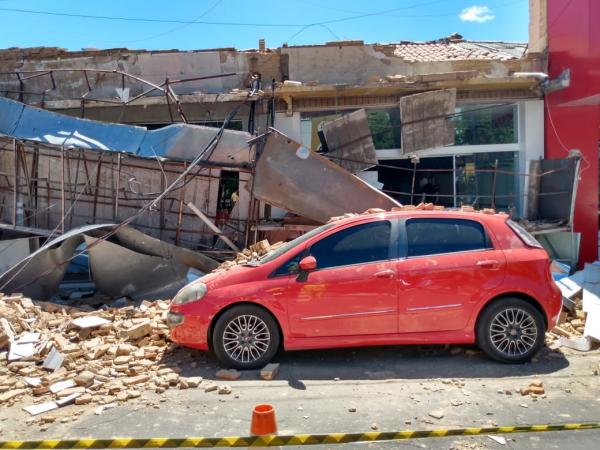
x: 433, y: 299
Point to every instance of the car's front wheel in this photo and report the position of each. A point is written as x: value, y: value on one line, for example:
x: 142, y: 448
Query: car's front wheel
x: 510, y: 330
x: 245, y: 337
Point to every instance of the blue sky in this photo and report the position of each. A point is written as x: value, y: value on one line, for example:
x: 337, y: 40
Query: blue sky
x: 240, y: 23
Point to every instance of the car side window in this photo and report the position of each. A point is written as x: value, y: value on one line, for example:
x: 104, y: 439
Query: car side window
x: 289, y: 267
x: 368, y: 242
x: 437, y: 236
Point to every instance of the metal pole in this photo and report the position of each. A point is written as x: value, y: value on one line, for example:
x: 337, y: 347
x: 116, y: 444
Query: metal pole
x: 62, y: 188
x: 118, y: 183
x: 454, y: 179
x: 494, y: 184
x: 15, y: 182
x: 412, y: 189
x: 273, y: 103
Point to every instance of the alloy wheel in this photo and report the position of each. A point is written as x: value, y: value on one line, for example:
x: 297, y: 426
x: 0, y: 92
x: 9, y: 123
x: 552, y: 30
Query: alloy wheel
x: 246, y: 338
x: 513, y: 332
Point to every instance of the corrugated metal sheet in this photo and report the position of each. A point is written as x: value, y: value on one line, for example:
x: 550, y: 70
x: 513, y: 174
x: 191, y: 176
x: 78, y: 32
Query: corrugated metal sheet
x: 290, y: 176
x: 178, y: 141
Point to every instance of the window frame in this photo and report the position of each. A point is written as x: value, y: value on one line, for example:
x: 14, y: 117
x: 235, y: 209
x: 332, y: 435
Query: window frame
x: 392, y: 244
x: 490, y: 245
x: 393, y: 247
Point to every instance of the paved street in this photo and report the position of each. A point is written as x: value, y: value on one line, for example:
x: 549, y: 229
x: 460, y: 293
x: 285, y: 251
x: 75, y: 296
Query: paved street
x: 391, y: 388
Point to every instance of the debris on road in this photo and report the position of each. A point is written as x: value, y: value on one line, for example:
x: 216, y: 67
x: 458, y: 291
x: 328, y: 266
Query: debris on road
x: 535, y: 389
x: 579, y: 327
x: 224, y: 389
x: 228, y: 374
x: 270, y: 371
x: 437, y: 414
x: 498, y: 439
x: 52, y: 355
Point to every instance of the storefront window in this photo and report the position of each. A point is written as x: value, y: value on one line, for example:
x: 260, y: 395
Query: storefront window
x: 383, y: 123
x: 481, y: 180
x: 481, y: 124
x: 487, y: 180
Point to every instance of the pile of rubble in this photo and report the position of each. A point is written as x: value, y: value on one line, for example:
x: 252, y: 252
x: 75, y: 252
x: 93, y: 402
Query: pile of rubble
x: 261, y: 248
x: 419, y: 207
x: 61, y: 355
x: 579, y: 325
x: 250, y: 254
x: 570, y: 330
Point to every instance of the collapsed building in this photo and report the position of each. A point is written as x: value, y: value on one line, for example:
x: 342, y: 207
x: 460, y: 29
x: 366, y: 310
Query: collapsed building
x: 94, y: 137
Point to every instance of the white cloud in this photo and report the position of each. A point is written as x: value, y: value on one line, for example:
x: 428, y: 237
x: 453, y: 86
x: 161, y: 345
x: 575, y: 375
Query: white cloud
x: 479, y: 14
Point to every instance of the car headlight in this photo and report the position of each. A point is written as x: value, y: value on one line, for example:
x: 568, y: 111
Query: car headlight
x: 190, y: 294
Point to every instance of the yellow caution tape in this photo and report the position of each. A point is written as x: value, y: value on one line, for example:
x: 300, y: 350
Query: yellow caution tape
x: 278, y: 441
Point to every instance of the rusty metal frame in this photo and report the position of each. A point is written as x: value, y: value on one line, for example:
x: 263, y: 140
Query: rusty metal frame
x: 165, y: 87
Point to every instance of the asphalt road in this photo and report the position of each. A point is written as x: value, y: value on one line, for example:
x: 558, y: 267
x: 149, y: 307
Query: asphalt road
x: 355, y: 390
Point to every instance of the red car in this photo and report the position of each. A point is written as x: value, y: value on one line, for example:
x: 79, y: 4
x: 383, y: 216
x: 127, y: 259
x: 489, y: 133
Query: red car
x: 412, y: 277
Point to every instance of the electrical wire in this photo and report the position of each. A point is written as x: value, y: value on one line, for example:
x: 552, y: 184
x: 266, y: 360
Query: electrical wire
x: 172, y: 30
x: 560, y: 141
x: 321, y: 6
x: 197, y: 22
x: 559, y: 15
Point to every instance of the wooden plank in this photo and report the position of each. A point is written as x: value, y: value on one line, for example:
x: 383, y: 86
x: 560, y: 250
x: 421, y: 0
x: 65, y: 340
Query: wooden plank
x: 212, y: 226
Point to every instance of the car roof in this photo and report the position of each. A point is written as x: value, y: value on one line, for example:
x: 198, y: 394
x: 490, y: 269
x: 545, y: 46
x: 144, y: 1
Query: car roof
x: 412, y: 213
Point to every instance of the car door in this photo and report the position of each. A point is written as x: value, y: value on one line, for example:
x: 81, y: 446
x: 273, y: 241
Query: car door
x: 353, y: 290
x: 449, y: 266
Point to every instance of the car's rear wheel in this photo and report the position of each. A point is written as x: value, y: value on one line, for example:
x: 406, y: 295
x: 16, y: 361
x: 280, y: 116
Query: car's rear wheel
x: 245, y: 337
x: 510, y: 330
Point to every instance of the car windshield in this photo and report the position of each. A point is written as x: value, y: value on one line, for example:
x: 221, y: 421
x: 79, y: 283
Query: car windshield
x: 290, y: 245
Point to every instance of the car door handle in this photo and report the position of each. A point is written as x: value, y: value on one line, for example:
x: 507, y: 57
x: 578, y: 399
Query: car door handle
x: 385, y: 274
x: 488, y: 263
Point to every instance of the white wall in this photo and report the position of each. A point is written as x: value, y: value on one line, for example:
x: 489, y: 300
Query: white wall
x: 290, y: 126
x: 531, y: 140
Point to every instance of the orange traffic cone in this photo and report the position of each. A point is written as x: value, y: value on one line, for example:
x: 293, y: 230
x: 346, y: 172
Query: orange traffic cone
x: 263, y: 420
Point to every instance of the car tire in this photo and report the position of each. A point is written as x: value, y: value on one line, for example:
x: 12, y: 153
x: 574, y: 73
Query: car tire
x: 245, y: 337
x: 510, y: 330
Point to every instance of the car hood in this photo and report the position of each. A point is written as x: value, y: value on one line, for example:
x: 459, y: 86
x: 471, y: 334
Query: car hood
x: 228, y: 277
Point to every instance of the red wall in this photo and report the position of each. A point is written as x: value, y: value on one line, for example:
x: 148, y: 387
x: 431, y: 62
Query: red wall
x: 574, y: 43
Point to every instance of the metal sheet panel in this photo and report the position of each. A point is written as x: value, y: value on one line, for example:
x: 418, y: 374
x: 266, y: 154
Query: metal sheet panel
x: 425, y: 122
x: 39, y: 125
x: 14, y: 250
x: 178, y: 141
x: 10, y: 114
x: 39, y: 275
x: 118, y: 271
x: 291, y: 177
x: 133, y: 264
x: 556, y: 188
x: 142, y: 243
x: 183, y: 141
x: 349, y: 140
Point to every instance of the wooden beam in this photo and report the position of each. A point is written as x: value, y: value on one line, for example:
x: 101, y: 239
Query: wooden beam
x: 212, y: 226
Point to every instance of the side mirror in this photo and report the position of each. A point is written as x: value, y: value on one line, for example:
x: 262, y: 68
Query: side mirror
x: 308, y: 263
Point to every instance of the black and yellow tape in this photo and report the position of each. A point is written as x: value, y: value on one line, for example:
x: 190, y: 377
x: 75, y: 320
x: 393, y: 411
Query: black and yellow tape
x: 279, y: 441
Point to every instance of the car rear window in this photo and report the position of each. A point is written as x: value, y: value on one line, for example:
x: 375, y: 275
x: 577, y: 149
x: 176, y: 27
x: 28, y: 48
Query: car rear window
x: 364, y: 243
x: 436, y: 236
x: 523, y: 234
